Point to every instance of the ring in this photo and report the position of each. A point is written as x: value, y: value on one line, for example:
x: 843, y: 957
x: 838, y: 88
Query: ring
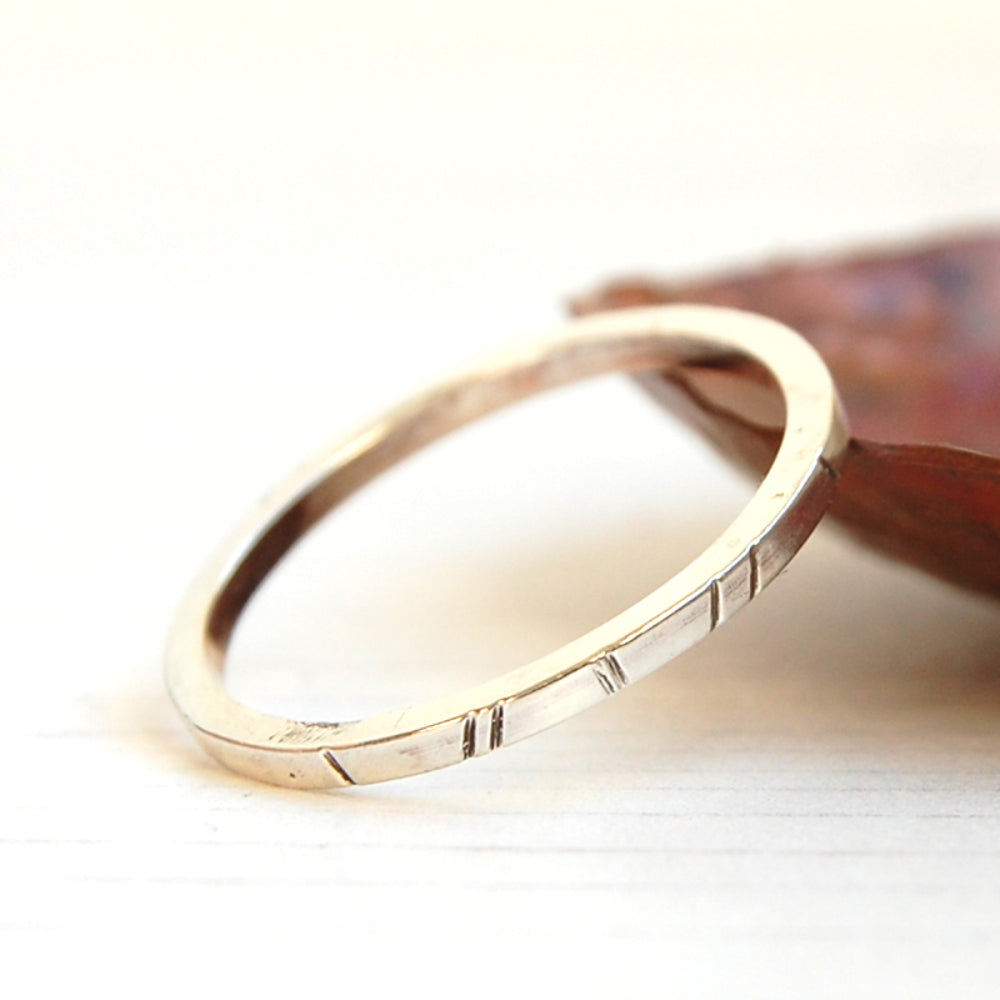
x: 727, y: 575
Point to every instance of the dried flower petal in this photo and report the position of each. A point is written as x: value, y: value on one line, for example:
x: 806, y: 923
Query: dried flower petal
x: 913, y: 340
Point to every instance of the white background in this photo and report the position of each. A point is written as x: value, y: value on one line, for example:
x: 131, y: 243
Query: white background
x: 232, y: 232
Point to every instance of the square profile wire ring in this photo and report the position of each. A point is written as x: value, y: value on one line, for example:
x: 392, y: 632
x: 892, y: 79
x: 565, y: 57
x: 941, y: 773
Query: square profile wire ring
x: 751, y: 552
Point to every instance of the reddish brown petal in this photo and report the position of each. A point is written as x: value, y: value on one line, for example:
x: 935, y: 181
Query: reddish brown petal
x: 913, y: 340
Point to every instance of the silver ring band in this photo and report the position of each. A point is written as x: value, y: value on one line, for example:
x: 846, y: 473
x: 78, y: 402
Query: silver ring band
x: 730, y: 573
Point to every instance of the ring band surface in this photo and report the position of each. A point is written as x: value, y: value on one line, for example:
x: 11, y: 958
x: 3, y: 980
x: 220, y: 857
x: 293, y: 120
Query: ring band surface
x: 726, y: 576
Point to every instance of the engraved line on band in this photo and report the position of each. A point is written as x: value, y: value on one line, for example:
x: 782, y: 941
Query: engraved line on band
x: 715, y: 605
x: 754, y: 571
x: 609, y: 673
x: 469, y: 736
x: 337, y: 766
x: 496, y: 726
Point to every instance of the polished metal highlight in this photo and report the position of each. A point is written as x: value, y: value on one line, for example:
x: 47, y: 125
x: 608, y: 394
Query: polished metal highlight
x: 731, y: 572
